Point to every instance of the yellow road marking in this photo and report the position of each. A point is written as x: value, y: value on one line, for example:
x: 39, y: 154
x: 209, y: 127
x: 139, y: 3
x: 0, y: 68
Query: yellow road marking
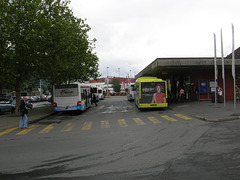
x: 183, y: 117
x: 122, y: 123
x: 47, y: 129
x: 154, y: 120
x: 87, y: 125
x: 25, y: 131
x: 8, y: 131
x: 138, y: 121
x: 168, y: 118
x: 105, y: 124
x: 68, y: 127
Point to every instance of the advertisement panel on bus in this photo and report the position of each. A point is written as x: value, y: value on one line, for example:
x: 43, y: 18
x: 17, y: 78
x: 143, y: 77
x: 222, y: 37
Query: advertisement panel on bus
x: 151, y: 92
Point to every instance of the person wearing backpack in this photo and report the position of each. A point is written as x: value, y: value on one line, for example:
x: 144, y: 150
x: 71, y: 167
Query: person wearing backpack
x: 23, y: 110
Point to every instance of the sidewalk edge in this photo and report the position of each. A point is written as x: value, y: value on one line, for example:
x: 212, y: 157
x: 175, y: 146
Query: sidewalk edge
x: 217, y: 120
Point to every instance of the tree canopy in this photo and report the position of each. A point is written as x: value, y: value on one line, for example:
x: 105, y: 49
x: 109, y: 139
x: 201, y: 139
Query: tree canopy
x: 116, y: 85
x: 42, y: 38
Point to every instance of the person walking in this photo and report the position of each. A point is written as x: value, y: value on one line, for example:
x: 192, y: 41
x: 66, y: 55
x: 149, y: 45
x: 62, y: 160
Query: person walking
x: 94, y: 99
x: 23, y: 110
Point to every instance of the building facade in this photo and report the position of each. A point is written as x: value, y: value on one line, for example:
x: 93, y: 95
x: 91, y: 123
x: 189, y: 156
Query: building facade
x: 195, y: 76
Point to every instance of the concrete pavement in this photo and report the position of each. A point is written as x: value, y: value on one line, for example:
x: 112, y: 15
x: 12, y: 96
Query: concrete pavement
x: 208, y: 111
x: 9, y: 120
x: 203, y: 110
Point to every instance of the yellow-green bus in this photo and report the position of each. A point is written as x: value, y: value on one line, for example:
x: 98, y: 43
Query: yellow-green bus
x: 151, y: 92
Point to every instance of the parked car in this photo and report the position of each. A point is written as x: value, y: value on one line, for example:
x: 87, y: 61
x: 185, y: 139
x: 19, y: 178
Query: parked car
x: 44, y: 98
x: 6, y: 106
x: 28, y: 105
x: 50, y: 99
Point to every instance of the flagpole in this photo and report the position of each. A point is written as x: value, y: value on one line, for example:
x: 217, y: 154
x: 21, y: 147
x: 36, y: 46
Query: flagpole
x: 215, y: 67
x: 223, y: 71
x: 233, y: 67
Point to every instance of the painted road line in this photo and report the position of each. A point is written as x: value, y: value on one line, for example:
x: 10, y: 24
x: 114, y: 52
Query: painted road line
x: 168, y: 118
x: 138, y: 121
x: 122, y: 123
x: 47, y: 129
x: 25, y: 131
x: 8, y: 131
x: 105, y: 124
x: 87, y: 125
x: 182, y: 116
x: 154, y: 120
x: 68, y: 127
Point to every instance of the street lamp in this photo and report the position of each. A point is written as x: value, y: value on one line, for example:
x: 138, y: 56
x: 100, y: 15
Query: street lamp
x: 130, y: 77
x: 119, y: 72
x: 107, y: 81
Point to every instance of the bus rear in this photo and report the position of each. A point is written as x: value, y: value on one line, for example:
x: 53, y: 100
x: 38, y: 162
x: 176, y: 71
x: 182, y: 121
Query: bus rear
x: 151, y: 93
x: 95, y: 91
x: 131, y: 92
x: 100, y: 93
x: 67, y: 97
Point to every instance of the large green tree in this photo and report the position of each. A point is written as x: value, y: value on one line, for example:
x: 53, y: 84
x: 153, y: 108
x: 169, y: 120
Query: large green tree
x: 42, y: 38
x: 116, y: 85
x: 65, y: 49
x: 17, y: 59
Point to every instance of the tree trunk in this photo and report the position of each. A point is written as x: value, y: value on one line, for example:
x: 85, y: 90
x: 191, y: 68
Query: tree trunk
x: 18, y: 95
x: 0, y: 90
x: 52, y: 97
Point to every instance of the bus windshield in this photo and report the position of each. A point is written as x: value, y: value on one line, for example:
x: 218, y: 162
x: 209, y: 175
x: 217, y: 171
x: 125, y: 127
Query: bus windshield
x: 151, y: 92
x: 66, y: 90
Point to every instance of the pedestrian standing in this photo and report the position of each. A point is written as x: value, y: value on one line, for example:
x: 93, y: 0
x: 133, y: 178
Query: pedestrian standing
x: 23, y: 110
x: 196, y: 93
x: 182, y: 95
x: 220, y: 92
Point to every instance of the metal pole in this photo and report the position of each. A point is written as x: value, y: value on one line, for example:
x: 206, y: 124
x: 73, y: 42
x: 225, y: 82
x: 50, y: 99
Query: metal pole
x: 107, y: 81
x: 233, y: 67
x: 223, y: 71
x: 40, y: 87
x: 130, y: 77
x: 215, y: 68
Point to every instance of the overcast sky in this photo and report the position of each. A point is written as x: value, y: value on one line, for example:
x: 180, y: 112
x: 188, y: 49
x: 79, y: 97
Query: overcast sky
x: 132, y: 33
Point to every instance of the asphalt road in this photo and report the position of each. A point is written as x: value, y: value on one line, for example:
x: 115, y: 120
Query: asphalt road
x: 115, y: 140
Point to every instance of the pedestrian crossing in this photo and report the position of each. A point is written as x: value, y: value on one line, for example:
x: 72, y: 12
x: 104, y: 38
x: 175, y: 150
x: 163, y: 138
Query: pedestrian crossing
x: 68, y: 127
x: 25, y: 131
x: 104, y: 124
x: 87, y: 125
x: 47, y: 129
x: 138, y: 121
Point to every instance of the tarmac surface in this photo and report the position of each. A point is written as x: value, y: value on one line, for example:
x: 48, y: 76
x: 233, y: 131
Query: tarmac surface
x: 8, y: 120
x: 208, y: 111
x: 202, y: 110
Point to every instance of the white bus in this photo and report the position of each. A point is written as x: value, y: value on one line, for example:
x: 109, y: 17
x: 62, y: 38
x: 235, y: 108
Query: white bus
x: 130, y: 92
x: 71, y: 97
x: 100, y: 93
x: 95, y: 91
